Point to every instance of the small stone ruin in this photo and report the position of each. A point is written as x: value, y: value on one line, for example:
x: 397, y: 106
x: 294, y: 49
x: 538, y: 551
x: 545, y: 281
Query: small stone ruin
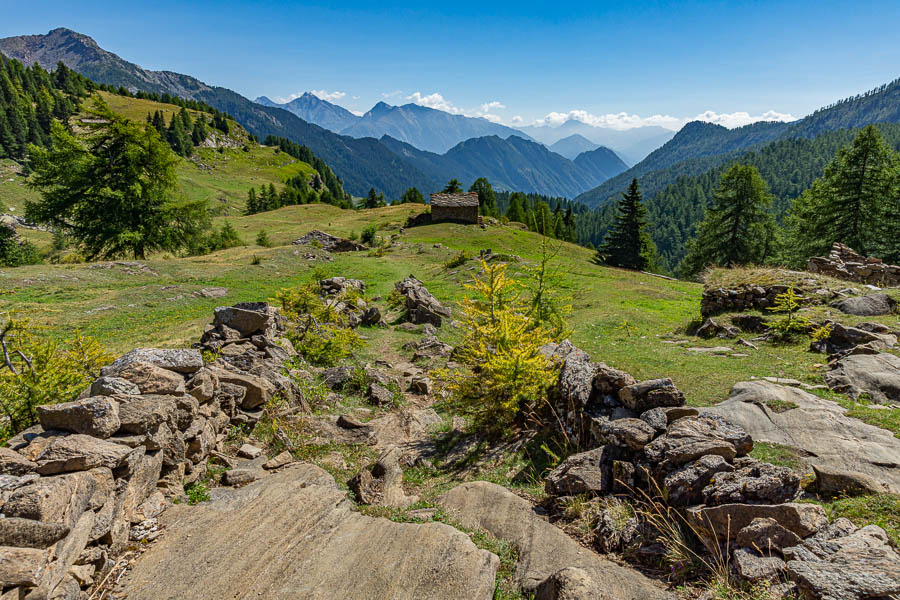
x: 845, y: 263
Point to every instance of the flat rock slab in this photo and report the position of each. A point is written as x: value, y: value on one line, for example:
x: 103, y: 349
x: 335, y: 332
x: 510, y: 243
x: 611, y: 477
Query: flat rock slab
x: 543, y: 548
x: 877, y: 375
x: 817, y: 427
x: 866, y: 306
x: 294, y: 535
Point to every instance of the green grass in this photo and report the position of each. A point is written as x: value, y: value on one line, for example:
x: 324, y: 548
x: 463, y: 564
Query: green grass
x: 881, y: 509
x: 783, y: 456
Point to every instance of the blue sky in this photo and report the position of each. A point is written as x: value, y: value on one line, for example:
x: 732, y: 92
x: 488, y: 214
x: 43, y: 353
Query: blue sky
x: 619, y: 63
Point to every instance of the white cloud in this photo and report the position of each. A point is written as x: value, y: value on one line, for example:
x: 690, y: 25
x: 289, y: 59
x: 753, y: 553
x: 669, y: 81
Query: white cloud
x: 489, y: 106
x: 393, y: 94
x: 517, y: 120
x: 328, y: 96
x: 435, y: 101
x: 624, y: 120
x: 358, y: 113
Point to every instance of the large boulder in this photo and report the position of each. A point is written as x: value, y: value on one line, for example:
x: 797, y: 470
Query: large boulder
x: 97, y: 416
x: 79, y: 452
x: 247, y: 319
x: 689, y: 438
x: 293, y: 534
x: 421, y: 306
x: 875, y: 375
x: 383, y: 484
x: 178, y: 360
x: 845, y: 562
x: 872, y: 305
x: 653, y: 393
x: 60, y: 499
x: 544, y: 549
x: 716, y: 524
x: 816, y: 428
x: 751, y: 482
x: 151, y: 379
x: 328, y: 242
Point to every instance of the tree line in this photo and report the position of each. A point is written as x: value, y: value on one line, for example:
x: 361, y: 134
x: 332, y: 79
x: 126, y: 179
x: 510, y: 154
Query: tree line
x: 856, y: 201
x: 30, y: 99
x: 184, y: 133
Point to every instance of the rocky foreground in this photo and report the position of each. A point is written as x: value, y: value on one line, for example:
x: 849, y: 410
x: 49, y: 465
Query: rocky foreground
x: 97, y: 478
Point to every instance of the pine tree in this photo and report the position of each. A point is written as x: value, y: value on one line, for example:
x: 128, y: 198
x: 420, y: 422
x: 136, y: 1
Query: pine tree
x: 628, y: 244
x: 737, y: 229
x: 371, y: 199
x: 487, y: 201
x: 412, y: 196
x: 516, y: 211
x: 252, y: 202
x: 855, y: 202
x: 453, y: 187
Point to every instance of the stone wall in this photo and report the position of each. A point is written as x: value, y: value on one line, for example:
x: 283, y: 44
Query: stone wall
x: 845, y: 263
x: 744, y: 297
x: 87, y: 482
x: 462, y: 214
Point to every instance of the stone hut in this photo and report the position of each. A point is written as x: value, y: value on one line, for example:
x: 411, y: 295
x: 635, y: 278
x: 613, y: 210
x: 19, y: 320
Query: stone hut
x: 461, y: 207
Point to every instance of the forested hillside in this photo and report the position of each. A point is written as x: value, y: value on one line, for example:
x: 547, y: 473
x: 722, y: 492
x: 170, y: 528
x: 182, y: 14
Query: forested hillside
x: 788, y: 166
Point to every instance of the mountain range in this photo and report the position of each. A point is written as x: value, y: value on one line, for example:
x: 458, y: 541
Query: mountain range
x: 699, y: 147
x: 425, y: 128
x: 633, y: 145
x: 505, y: 157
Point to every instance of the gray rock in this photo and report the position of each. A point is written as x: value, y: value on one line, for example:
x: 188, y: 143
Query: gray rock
x: 152, y: 379
x: 60, y: 499
x: 111, y: 386
x: 249, y: 451
x: 21, y: 566
x: 817, y: 428
x: 97, y: 416
x: 421, y: 385
x: 754, y: 567
x: 13, y: 463
x: 421, y: 306
x: 654, y: 393
x: 875, y: 375
x: 543, y: 548
x: 379, y: 395
x: 296, y: 523
x: 178, y: 360
x: 79, y: 452
x: 241, y: 476
x: 866, y: 306
x: 278, y: 461
x: 585, y: 473
x: 753, y: 482
x: 628, y: 433
x: 718, y: 523
x: 383, y: 484
x: 859, y: 564
x: 28, y: 533
x: 689, y: 438
x: 144, y: 414
x: 430, y: 347
x: 257, y: 390
x: 766, y: 535
x: 685, y: 485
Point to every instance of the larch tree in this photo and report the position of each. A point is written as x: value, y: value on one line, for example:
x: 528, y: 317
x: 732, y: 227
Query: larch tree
x: 487, y: 201
x: 453, y: 187
x: 114, y: 189
x: 628, y: 243
x: 737, y: 228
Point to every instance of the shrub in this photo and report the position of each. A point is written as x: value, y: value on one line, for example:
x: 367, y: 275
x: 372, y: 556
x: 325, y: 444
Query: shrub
x: 457, y: 261
x: 353, y: 236
x: 262, y: 239
x: 317, y: 329
x: 503, y: 373
x: 214, y: 240
x: 368, y: 234
x: 41, y: 370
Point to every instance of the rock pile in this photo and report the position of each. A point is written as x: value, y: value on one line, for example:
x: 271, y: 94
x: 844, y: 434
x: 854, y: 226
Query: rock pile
x: 845, y: 263
x: 744, y: 297
x: 421, y: 306
x: 642, y: 437
x: 97, y: 471
x: 328, y: 242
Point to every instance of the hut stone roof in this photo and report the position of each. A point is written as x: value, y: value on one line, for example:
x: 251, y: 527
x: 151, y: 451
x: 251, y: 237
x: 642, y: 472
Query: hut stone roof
x: 455, y: 200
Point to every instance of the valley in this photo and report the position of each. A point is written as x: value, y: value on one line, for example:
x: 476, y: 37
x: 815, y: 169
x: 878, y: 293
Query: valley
x: 286, y: 348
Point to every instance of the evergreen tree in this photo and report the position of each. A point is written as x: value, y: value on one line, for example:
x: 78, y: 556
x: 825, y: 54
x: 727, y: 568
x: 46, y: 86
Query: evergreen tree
x: 412, y: 196
x: 516, y: 211
x: 112, y: 191
x: 856, y: 202
x: 628, y: 244
x: 737, y: 229
x: 372, y: 200
x: 487, y: 201
x: 453, y: 187
x: 252, y: 202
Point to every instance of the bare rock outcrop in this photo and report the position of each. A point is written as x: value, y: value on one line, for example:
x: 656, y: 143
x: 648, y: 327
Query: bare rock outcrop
x: 294, y: 534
